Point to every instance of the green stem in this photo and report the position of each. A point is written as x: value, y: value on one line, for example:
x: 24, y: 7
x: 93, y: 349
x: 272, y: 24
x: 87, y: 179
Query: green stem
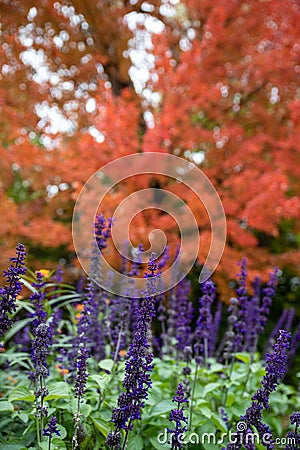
x: 76, y: 426
x: 192, y: 398
x: 229, y: 377
x: 205, y: 352
x: 126, y: 436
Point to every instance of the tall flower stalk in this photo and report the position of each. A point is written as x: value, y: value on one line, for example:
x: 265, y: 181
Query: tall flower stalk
x: 293, y: 437
x: 50, y: 430
x: 177, y: 416
x: 138, y: 366
x: 13, y: 288
x: 41, y: 344
x: 276, y: 363
x: 202, y: 333
x: 79, y: 390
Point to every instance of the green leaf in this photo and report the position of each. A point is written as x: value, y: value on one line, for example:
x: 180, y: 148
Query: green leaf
x: 101, y: 425
x: 221, y: 425
x: 210, y: 387
x: 205, y: 411
x: 101, y: 380
x: 13, y: 447
x: 216, y: 367
x: 135, y: 442
x: 106, y: 364
x: 85, y: 410
x: 58, y: 390
x: 6, y: 406
x: 258, y: 369
x: 58, y: 443
x: 160, y: 441
x: 21, y: 393
x: 161, y: 408
x: 245, y: 357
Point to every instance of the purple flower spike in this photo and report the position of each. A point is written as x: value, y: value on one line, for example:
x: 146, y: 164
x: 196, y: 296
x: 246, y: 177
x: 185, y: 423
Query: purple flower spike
x: 204, y: 322
x: 51, y: 428
x: 276, y: 363
x: 82, y: 375
x: 177, y: 416
x: 10, y: 292
x: 293, y: 437
x: 37, y: 299
x: 138, y: 366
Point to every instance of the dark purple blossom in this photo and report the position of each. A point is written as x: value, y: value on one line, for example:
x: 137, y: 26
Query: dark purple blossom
x: 138, y: 365
x: 227, y: 346
x: 213, y: 336
x: 204, y: 322
x: 253, y: 326
x: 224, y: 416
x: 37, y: 299
x: 113, y: 440
x: 184, y: 310
x: 241, y: 293
x: 293, y: 438
x: 12, y: 289
x: 279, y: 325
x: 290, y: 319
x: 51, y: 428
x: 276, y: 363
x: 268, y: 294
x: 177, y: 416
x: 81, y: 375
x: 41, y: 344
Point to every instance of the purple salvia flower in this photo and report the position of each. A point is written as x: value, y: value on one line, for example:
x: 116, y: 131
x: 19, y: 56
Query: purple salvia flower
x: 37, y: 299
x: 184, y: 317
x: 84, y: 327
x: 276, y: 363
x: 177, y: 416
x: 204, y: 322
x: 290, y: 319
x: 164, y: 258
x: 41, y: 344
x: 224, y: 417
x: 51, y: 428
x: 275, y: 368
x: 293, y: 438
x: 170, y: 333
x: 123, y: 309
x: 55, y: 321
x: 137, y: 262
x: 58, y: 276
x: 12, y: 289
x: 279, y: 325
x: 241, y: 293
x: 213, y: 337
x: 138, y: 365
x: 80, y: 388
x: 268, y: 294
x: 113, y: 440
x: 57, y: 313
x: 102, y: 230
x: 80, y: 285
x: 253, y: 318
x: 227, y: 346
x: 81, y: 375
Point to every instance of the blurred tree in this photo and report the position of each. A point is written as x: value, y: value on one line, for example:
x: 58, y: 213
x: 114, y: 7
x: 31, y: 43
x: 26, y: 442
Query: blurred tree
x: 85, y: 82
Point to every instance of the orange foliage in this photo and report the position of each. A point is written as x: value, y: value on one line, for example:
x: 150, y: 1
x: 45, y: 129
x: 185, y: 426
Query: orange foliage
x: 225, y: 77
